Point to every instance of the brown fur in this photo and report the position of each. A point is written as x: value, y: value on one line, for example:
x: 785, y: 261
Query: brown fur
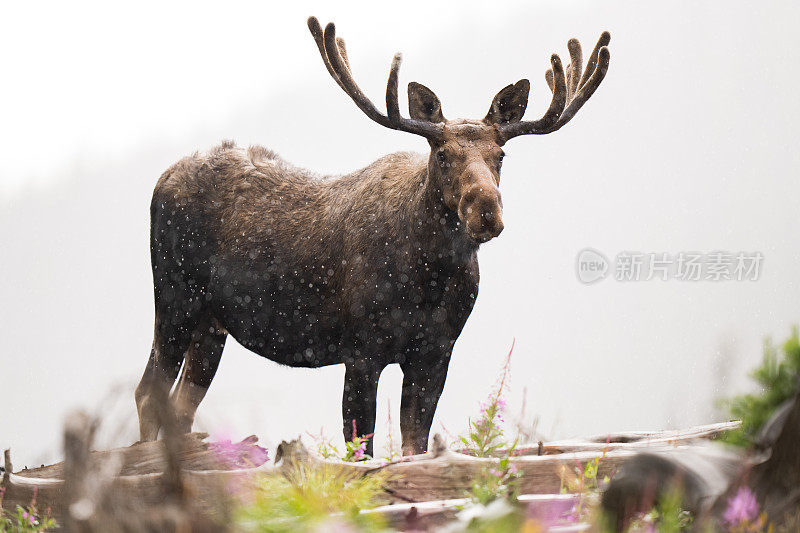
x: 375, y: 267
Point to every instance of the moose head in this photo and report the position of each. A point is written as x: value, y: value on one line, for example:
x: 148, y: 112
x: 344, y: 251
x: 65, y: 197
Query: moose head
x: 466, y: 155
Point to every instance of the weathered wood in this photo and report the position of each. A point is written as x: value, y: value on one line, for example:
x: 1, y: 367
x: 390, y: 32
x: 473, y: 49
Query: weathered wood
x: 79, y: 500
x: 629, y: 440
x: 414, y: 479
x: 144, y: 458
x: 431, y: 514
x: 442, y: 474
x: 439, y: 475
x: 91, y: 495
x: 7, y: 467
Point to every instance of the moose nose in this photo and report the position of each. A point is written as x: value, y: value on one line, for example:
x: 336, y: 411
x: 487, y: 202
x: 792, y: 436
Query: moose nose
x: 495, y: 225
x: 482, y: 212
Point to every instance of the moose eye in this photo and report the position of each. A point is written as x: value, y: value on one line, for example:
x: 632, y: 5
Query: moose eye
x: 440, y: 158
x: 500, y: 161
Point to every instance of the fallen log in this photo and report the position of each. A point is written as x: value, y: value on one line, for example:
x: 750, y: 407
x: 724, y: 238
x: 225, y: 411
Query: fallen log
x: 429, y: 515
x: 625, y: 440
x: 441, y: 474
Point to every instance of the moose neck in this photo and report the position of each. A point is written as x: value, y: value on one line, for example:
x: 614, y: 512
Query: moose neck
x: 441, y: 234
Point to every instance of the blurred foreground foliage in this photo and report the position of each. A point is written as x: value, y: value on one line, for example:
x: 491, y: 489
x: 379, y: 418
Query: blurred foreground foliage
x: 777, y: 377
x: 28, y: 519
x: 314, y: 499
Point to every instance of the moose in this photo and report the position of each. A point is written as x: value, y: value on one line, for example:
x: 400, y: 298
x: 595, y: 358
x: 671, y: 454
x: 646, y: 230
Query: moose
x: 367, y: 269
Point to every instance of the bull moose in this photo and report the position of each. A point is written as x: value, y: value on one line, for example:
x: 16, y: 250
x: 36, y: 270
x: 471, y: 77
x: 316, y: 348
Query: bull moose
x: 375, y: 267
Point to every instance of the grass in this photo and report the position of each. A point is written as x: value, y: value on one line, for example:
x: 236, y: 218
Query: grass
x: 313, y: 499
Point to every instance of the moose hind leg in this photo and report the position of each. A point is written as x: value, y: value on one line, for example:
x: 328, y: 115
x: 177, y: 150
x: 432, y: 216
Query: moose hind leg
x: 199, y: 367
x: 359, y: 402
x: 172, y: 337
x: 423, y: 382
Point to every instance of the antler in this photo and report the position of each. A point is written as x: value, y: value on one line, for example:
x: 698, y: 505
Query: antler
x: 334, y: 55
x: 570, y: 92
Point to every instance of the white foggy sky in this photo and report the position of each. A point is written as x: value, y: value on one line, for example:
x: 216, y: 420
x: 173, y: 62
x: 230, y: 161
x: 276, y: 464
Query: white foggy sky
x: 688, y: 145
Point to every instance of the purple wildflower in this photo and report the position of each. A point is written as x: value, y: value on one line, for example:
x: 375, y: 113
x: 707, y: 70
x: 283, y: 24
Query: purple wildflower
x: 244, y: 454
x: 742, y: 508
x: 551, y: 512
x: 359, y: 452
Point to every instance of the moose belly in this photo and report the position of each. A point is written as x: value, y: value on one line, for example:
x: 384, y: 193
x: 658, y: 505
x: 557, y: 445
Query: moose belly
x: 295, y: 327
x: 282, y: 318
x: 291, y: 318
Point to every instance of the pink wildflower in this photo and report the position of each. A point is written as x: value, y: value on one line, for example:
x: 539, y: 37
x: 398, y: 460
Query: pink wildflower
x: 240, y: 454
x: 551, y: 512
x: 742, y: 508
x: 359, y: 453
x: 574, y: 513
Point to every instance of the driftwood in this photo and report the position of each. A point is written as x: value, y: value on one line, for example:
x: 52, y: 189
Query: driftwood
x: 89, y: 493
x: 708, y: 476
x: 182, y: 477
x: 627, y: 440
x: 428, y: 515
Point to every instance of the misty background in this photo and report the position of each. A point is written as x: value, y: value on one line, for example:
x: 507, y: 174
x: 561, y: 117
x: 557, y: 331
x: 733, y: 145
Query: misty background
x: 688, y: 145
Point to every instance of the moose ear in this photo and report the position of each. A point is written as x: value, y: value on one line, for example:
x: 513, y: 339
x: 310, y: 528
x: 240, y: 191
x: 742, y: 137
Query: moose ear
x: 423, y: 104
x: 509, y: 104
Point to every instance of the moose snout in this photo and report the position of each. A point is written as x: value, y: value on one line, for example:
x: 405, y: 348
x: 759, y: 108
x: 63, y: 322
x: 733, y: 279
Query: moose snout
x: 481, y: 209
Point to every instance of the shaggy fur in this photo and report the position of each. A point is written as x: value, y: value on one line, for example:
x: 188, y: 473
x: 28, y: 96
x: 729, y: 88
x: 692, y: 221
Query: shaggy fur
x: 366, y: 269
x: 375, y: 267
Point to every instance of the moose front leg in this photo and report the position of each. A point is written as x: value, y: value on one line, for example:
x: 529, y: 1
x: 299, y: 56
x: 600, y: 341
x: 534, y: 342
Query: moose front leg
x: 359, y: 401
x: 423, y: 381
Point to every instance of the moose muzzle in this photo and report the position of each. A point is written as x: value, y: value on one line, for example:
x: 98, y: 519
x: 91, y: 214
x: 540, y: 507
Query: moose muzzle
x: 481, y: 207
